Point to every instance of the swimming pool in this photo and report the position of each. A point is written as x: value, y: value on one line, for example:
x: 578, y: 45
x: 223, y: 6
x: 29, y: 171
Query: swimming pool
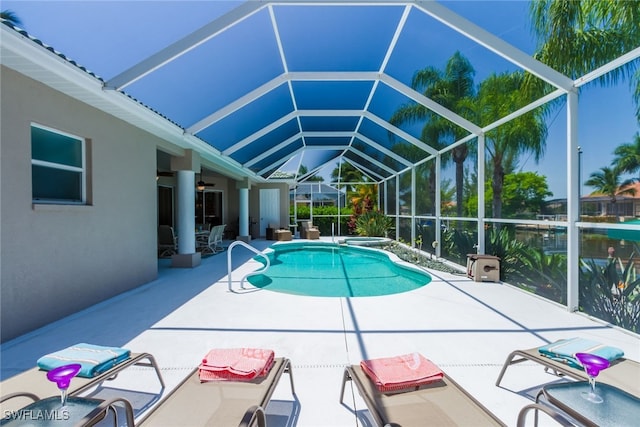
x: 330, y: 270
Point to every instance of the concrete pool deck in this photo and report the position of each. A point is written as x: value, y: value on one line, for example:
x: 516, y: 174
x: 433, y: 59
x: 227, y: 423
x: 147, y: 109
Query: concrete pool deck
x: 466, y: 328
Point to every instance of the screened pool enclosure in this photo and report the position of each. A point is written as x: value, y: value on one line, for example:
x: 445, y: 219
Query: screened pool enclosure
x: 289, y: 91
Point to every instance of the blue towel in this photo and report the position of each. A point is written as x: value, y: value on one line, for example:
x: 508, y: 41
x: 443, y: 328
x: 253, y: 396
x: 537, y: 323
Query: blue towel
x: 94, y: 359
x: 564, y: 350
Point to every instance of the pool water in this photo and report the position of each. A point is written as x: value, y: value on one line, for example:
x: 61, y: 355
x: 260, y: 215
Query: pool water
x: 329, y: 270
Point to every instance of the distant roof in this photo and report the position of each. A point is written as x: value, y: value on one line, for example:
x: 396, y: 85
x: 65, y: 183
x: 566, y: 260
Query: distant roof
x: 315, y: 187
x: 597, y: 196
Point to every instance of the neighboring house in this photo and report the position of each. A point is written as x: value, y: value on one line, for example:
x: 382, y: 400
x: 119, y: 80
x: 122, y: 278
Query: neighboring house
x: 598, y: 204
x: 317, y: 194
x: 626, y: 205
x: 86, y: 176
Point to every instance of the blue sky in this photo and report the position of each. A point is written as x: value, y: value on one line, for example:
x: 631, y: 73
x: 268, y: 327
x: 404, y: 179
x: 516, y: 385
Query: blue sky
x: 109, y: 36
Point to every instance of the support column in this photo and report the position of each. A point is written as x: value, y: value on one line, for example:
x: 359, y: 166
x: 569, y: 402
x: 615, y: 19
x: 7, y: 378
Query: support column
x: 573, y: 203
x: 397, y: 207
x: 185, y: 168
x: 243, y: 215
x: 481, y: 195
x: 413, y: 206
x: 438, y: 208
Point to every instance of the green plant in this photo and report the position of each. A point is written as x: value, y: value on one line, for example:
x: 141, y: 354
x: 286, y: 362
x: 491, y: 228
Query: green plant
x: 373, y: 223
x: 546, y: 273
x: 611, y: 292
x: 458, y: 243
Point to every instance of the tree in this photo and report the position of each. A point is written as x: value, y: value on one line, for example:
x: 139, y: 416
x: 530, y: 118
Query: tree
x: 498, y: 96
x: 524, y: 193
x: 10, y: 16
x: 365, y: 195
x: 449, y: 89
x: 628, y: 156
x: 347, y: 173
x: 576, y: 37
x: 303, y: 170
x: 608, y: 182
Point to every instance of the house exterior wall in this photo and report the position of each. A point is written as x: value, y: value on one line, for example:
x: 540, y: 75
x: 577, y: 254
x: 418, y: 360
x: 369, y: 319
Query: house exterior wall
x: 77, y: 255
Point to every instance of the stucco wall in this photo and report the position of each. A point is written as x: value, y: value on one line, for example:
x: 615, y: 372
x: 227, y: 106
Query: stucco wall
x: 78, y: 255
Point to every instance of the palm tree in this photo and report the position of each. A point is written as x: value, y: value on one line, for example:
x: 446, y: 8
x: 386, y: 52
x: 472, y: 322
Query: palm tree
x: 576, y: 37
x: 628, y: 156
x: 347, y: 173
x: 449, y: 89
x: 607, y: 181
x: 499, y: 95
x: 10, y: 16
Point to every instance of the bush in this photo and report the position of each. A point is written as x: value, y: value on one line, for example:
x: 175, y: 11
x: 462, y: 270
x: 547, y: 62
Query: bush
x: 324, y: 217
x: 611, y: 292
x: 374, y: 224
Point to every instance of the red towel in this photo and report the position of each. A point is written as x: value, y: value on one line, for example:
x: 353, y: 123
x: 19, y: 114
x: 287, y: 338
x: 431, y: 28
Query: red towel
x: 401, y: 372
x: 233, y: 364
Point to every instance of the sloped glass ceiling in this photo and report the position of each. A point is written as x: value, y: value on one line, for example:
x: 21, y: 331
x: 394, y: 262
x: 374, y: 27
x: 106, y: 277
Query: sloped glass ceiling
x: 321, y: 83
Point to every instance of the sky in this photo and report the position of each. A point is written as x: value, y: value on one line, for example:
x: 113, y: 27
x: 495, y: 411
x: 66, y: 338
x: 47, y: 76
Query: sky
x: 107, y: 37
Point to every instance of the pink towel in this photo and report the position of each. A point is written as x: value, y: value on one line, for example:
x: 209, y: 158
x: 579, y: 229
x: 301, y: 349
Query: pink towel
x: 401, y: 372
x: 233, y: 364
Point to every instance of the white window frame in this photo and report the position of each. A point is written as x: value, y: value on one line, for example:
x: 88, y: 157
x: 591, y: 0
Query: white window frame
x: 53, y: 165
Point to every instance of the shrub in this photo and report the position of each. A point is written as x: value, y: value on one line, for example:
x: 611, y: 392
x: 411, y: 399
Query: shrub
x: 373, y: 223
x: 611, y: 292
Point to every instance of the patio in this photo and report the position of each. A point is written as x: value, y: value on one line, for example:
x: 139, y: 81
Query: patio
x: 466, y: 328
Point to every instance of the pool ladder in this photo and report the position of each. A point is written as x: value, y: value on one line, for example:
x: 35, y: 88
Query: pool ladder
x: 253, y: 273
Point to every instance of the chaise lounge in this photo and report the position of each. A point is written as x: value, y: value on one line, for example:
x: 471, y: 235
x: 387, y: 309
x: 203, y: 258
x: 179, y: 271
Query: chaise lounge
x: 32, y: 389
x: 219, y: 403
x: 622, y: 373
x: 35, y: 380
x: 441, y: 403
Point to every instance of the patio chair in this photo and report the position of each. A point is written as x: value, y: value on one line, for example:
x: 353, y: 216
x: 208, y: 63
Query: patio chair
x: 309, y: 231
x: 167, y: 244
x: 219, y: 403
x: 442, y: 403
x: 621, y: 373
x: 34, y: 381
x: 214, y: 242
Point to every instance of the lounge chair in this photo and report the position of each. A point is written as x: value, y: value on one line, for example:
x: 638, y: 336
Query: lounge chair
x: 309, y: 231
x: 441, y: 403
x: 218, y: 403
x: 622, y: 373
x: 34, y: 381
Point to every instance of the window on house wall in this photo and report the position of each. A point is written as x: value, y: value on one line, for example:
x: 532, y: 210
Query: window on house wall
x: 58, y: 171
x: 209, y: 207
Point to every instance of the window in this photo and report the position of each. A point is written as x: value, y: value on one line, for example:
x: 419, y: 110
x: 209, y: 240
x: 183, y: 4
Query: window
x: 57, y: 166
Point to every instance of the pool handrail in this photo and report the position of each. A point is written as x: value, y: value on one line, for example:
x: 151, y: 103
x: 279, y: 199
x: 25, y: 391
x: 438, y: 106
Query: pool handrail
x: 251, y: 248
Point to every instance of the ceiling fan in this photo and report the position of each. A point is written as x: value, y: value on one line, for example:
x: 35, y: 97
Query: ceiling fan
x: 201, y: 185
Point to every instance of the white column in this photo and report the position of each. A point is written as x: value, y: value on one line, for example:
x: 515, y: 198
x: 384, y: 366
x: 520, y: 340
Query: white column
x: 243, y: 219
x: 397, y: 207
x: 413, y: 205
x: 186, y: 212
x: 481, y: 187
x: 438, y: 206
x: 573, y: 203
